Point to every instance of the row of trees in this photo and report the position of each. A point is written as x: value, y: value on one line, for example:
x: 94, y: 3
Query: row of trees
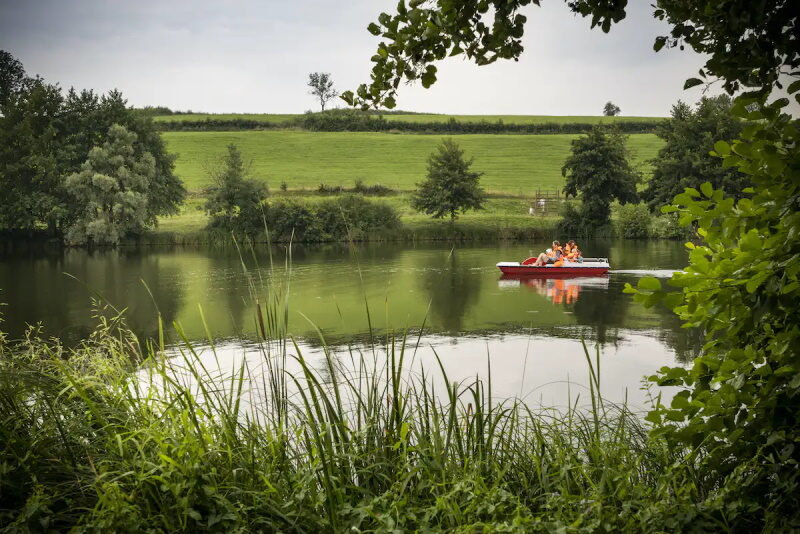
x: 77, y: 165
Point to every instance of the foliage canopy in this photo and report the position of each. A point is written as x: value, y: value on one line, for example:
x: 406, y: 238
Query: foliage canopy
x: 685, y: 159
x: 611, y: 109
x: 110, y: 191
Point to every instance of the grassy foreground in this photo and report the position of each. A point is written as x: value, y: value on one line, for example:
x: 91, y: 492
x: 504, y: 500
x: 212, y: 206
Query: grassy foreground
x: 513, y: 164
x: 120, y: 437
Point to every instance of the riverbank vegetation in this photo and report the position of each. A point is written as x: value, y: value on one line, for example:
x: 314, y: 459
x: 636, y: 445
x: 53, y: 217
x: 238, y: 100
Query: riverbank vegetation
x: 120, y: 436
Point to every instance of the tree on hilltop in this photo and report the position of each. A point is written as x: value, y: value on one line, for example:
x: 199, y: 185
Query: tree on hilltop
x: 611, y: 109
x: 321, y: 84
x: 450, y: 187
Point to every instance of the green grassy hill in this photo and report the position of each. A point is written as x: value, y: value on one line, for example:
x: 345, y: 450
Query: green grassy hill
x: 513, y: 164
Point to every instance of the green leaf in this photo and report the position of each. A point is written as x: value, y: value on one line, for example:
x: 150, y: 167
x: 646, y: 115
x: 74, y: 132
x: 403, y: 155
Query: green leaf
x: 692, y: 82
x: 429, y: 77
x: 789, y: 288
x: 648, y: 283
x: 374, y: 29
x: 722, y: 148
x: 707, y: 189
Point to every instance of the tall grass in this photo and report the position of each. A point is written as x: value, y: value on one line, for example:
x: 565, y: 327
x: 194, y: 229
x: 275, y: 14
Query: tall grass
x: 117, y: 435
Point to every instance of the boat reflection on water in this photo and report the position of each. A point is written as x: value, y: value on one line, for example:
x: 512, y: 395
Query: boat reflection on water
x: 557, y: 290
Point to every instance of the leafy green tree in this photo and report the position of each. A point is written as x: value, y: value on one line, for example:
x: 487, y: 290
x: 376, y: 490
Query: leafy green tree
x: 739, y: 405
x: 86, y: 118
x: 110, y: 191
x: 321, y: 85
x: 234, y: 201
x: 12, y: 77
x: 45, y: 136
x: 450, y: 187
x: 31, y: 178
x: 599, y: 171
x: 684, y: 160
x: 611, y: 110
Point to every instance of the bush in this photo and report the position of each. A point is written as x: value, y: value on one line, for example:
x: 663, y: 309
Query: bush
x: 668, y: 227
x: 284, y: 186
x: 353, y: 217
x: 374, y: 189
x: 633, y: 221
x: 572, y: 223
x: 356, y: 121
x: 330, y: 189
x: 291, y: 220
x: 347, y: 217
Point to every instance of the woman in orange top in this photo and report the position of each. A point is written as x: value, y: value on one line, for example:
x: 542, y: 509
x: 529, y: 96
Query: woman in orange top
x: 551, y: 256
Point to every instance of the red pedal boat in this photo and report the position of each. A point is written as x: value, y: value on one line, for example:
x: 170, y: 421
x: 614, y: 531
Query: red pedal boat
x: 588, y: 267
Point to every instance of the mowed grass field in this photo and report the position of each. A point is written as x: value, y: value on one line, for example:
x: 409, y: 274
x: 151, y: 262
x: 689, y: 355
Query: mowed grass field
x: 512, y: 164
x: 426, y: 117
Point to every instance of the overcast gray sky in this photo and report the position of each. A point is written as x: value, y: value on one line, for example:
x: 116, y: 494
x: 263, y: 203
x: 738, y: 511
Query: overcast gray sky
x: 255, y: 56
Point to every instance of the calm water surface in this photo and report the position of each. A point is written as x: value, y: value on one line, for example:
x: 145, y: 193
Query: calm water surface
x: 454, y: 300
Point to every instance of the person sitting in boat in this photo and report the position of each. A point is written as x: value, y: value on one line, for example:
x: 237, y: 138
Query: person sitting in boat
x: 569, y: 254
x: 572, y: 253
x: 551, y: 255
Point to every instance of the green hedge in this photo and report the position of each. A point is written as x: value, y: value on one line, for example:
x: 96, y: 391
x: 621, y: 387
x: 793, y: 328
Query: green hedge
x: 349, y: 217
x: 348, y: 121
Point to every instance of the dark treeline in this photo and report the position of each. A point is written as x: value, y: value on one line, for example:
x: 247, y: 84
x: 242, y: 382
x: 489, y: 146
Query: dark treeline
x: 352, y: 121
x: 63, y: 173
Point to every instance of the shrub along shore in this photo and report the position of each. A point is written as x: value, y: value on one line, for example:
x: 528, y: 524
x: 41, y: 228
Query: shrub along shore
x: 504, y: 218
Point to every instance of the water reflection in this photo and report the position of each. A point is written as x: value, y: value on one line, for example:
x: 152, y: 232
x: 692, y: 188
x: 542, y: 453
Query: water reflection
x: 453, y: 287
x: 49, y: 286
x: 331, y: 289
x: 559, y: 291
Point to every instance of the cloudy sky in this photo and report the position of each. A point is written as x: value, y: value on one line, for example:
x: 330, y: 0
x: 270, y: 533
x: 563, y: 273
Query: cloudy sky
x: 255, y: 56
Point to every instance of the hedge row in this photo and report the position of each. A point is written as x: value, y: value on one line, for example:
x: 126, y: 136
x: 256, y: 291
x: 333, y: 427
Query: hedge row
x: 318, y: 122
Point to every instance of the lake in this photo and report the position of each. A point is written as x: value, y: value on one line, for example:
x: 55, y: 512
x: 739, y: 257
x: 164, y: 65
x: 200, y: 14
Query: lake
x: 451, y: 300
